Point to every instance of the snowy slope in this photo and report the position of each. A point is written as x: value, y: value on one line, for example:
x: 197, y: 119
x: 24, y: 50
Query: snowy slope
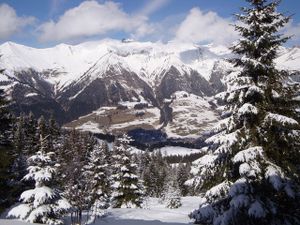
x: 147, y: 59
x: 68, y: 63
x: 191, y: 115
x: 289, y: 58
x: 80, y: 79
x: 14, y: 222
x: 111, y: 120
x: 177, y: 151
x: 154, y: 213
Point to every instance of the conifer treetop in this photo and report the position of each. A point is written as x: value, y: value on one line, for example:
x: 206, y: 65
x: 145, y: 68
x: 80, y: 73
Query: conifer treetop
x: 260, y: 33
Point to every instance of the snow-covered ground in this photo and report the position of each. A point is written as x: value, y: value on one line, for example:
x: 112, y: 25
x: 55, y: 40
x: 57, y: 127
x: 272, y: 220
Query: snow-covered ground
x: 176, y: 150
x: 191, y: 116
x: 112, y: 120
x: 12, y: 222
x: 154, y: 213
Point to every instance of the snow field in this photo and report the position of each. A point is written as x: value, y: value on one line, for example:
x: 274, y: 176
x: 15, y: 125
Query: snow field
x: 154, y: 213
x: 191, y: 115
x: 146, y: 59
x: 176, y: 150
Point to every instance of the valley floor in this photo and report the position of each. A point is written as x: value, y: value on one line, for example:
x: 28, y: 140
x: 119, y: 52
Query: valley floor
x: 154, y: 213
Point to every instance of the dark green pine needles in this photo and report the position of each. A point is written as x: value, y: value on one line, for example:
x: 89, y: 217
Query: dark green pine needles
x: 252, y: 170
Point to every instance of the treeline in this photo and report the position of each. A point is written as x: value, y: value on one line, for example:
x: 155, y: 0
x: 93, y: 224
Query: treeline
x: 184, y: 158
x: 157, y: 173
x: 76, y: 172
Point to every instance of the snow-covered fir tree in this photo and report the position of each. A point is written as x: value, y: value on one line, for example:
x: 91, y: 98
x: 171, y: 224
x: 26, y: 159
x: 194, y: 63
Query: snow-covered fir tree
x: 5, y: 150
x: 252, y: 169
x: 155, y: 174
x: 26, y: 139
x: 128, y: 190
x: 19, y: 134
x: 74, y: 155
x: 151, y: 180
x: 182, y: 175
x: 97, y: 173
x: 171, y: 195
x: 45, y: 203
x: 5, y: 117
x: 142, y: 159
x: 19, y: 166
x: 54, y: 134
x: 41, y: 127
x: 31, y: 137
x: 43, y: 130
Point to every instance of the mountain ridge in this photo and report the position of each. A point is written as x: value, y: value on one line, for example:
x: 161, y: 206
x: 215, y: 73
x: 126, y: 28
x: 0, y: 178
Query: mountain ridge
x: 71, y: 81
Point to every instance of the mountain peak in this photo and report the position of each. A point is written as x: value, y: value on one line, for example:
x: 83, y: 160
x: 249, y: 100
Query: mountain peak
x: 143, y: 58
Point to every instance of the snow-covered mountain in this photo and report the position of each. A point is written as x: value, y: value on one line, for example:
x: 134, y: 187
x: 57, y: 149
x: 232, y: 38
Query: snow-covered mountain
x: 75, y: 80
x: 71, y: 81
x: 289, y: 58
x: 67, y: 63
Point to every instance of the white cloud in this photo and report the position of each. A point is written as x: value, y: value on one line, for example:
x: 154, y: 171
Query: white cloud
x: 55, y: 6
x: 10, y: 22
x: 91, y: 18
x: 164, y: 30
x: 199, y: 27
x: 156, y: 30
x: 293, y: 30
x: 153, y: 6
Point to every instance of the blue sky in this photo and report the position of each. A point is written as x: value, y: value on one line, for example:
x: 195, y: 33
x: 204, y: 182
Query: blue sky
x: 43, y: 23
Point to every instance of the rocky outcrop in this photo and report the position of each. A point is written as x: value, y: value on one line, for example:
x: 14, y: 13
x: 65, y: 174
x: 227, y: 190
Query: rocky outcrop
x: 190, y: 81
